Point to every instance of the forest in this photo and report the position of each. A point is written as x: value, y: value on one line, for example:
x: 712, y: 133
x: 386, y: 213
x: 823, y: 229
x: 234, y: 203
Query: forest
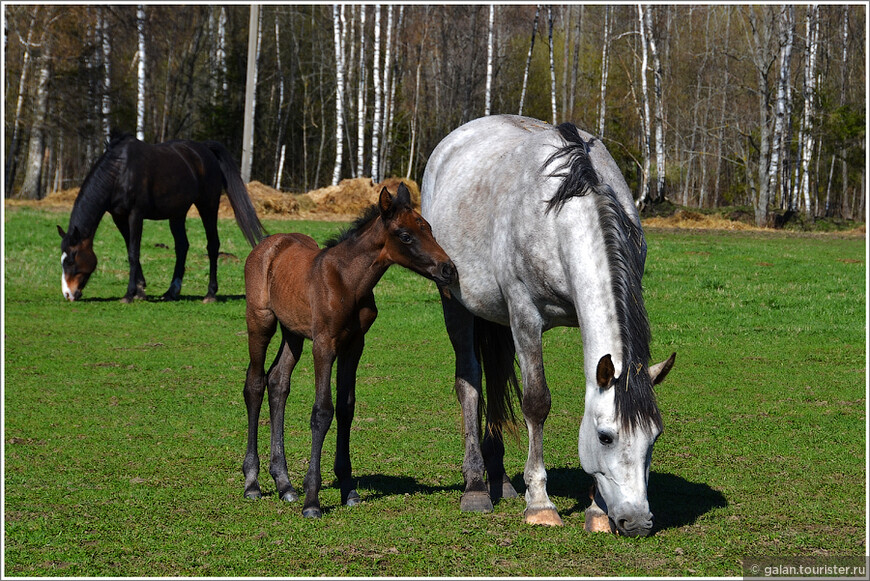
x: 756, y: 106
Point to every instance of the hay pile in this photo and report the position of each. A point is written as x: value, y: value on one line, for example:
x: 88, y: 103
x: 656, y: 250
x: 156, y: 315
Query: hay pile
x: 695, y: 220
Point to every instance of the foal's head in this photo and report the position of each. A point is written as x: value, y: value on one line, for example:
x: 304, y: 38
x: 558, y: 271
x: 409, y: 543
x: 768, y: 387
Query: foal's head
x: 409, y: 240
x: 78, y: 261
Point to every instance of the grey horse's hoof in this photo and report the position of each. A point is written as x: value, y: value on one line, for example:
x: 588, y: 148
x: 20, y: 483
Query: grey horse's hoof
x: 312, y: 512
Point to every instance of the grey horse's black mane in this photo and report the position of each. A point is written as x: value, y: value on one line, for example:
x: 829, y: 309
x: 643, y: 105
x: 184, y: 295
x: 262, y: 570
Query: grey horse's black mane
x: 626, y: 250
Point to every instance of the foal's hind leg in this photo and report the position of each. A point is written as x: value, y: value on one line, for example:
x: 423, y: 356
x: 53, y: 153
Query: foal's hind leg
x: 261, y: 327
x: 460, y: 328
x: 279, y: 387
x: 179, y: 234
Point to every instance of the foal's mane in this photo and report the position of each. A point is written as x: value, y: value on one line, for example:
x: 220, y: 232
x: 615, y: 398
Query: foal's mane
x: 354, y: 229
x: 626, y: 251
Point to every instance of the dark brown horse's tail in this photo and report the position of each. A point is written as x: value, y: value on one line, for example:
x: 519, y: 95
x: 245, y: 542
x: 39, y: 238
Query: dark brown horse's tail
x: 246, y: 215
x: 494, y: 347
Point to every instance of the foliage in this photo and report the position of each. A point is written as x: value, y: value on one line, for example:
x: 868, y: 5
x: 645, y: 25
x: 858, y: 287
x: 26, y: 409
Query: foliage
x: 125, y: 425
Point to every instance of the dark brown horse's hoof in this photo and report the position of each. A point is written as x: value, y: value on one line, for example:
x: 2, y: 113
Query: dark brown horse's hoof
x: 475, y: 502
x: 508, y: 490
x: 353, y: 499
x: 290, y: 496
x: 208, y: 300
x: 312, y: 512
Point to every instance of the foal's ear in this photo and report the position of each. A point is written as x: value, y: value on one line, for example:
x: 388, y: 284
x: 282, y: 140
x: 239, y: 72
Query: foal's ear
x: 659, y: 371
x: 403, y: 195
x: 605, y: 372
x: 386, y: 204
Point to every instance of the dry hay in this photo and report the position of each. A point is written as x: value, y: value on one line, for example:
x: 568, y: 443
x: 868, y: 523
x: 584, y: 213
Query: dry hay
x: 352, y: 196
x: 696, y: 220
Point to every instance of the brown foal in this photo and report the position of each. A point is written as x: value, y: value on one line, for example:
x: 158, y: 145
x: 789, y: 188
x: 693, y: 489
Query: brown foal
x: 324, y: 295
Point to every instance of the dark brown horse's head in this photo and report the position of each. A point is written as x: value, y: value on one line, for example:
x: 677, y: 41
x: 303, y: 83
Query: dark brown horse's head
x: 78, y: 261
x: 410, y: 242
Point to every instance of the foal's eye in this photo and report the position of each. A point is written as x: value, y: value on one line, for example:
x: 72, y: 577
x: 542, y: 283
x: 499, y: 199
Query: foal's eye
x: 405, y: 238
x: 605, y: 439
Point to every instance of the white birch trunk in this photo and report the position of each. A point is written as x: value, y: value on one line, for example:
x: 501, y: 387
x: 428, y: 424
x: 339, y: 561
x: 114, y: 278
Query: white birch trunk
x: 659, y: 108
x: 489, y: 56
x: 552, y: 63
x: 33, y: 188
x: 140, y: 93
x: 106, y: 109
x: 12, y: 154
x: 339, y: 93
x: 222, y: 49
x: 605, y: 63
x: 376, y: 70
x: 529, y: 59
x: 645, y: 120
x: 361, y: 101
x: 250, y: 93
x: 384, y: 128
x: 786, y: 38
x: 807, y: 136
x: 279, y: 146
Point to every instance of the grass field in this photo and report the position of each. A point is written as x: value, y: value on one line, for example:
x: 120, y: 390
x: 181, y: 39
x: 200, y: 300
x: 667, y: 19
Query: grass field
x: 125, y: 424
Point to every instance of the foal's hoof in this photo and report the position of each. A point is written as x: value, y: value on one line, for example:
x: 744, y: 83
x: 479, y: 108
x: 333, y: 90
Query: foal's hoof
x: 312, y: 512
x: 543, y: 516
x: 475, y: 502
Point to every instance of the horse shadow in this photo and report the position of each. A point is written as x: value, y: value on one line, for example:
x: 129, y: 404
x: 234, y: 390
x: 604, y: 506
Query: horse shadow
x: 160, y: 299
x: 675, y: 501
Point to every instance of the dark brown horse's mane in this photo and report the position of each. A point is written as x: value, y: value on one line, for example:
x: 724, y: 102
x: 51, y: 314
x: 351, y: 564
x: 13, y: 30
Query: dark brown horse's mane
x: 354, y: 229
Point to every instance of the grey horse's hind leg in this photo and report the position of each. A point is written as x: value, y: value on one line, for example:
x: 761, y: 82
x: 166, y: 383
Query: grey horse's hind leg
x: 460, y: 328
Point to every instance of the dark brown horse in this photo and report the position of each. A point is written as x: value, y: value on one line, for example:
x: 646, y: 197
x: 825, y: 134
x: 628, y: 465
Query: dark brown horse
x: 325, y: 296
x: 135, y: 181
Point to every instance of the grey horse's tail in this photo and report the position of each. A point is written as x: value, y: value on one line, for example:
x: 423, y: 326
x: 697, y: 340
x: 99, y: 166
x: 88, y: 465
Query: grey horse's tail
x: 494, y: 347
x: 246, y: 215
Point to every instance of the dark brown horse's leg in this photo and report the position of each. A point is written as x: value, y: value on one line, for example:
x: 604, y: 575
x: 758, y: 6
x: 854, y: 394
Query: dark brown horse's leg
x: 131, y: 229
x: 179, y: 234
x: 493, y: 457
x: 321, y: 418
x: 213, y: 246
x: 279, y: 387
x: 345, y: 403
x: 260, y: 331
x: 460, y: 328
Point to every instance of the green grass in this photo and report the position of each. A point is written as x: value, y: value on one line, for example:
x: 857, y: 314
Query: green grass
x: 125, y: 424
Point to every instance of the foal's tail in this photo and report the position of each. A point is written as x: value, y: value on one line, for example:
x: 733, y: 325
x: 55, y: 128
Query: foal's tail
x: 246, y: 215
x: 494, y: 347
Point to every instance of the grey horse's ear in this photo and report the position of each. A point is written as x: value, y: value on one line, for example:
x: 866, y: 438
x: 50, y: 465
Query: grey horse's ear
x: 605, y: 372
x: 659, y: 371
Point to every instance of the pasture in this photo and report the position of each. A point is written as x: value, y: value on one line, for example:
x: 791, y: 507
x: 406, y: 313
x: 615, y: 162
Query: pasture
x: 125, y: 425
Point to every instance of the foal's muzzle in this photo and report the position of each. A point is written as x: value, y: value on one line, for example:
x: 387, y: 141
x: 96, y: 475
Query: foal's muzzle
x: 446, y: 273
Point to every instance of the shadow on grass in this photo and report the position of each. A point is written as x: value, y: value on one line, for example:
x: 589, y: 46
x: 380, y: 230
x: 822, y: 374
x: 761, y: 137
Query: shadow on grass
x: 675, y: 501
x: 160, y: 299
x: 381, y: 485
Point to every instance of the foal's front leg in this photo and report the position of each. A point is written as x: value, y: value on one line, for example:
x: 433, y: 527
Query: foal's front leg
x: 348, y: 363
x: 321, y: 418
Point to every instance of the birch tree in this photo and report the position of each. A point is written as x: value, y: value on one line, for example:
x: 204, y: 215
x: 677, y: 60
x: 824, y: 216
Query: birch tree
x: 552, y: 64
x: 250, y: 92
x: 529, y: 59
x: 140, y: 77
x: 34, y: 175
x: 12, y: 153
x: 361, y: 97
x: 379, y: 93
x: 489, y: 56
x: 779, y: 149
x: 339, y: 93
x: 605, y: 62
x: 806, y: 138
x: 659, y: 121
x: 645, y: 114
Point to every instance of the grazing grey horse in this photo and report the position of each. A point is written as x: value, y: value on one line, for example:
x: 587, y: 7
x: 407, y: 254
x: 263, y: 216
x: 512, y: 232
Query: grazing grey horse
x: 543, y: 231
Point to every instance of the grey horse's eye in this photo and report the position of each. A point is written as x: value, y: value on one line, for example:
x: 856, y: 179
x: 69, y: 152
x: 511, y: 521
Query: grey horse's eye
x: 605, y: 438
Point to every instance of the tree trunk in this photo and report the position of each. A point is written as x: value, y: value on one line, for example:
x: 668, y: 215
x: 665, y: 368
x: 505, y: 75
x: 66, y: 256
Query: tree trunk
x: 779, y: 148
x: 552, y: 63
x: 12, y: 154
x: 489, y: 56
x: 763, y: 57
x: 34, y: 183
x: 106, y: 105
x: 529, y: 60
x: 361, y: 100
x: 645, y: 119
x: 339, y: 93
x: 140, y: 85
x: 605, y: 63
x: 250, y: 93
x: 659, y: 109
x: 807, y: 136
x: 379, y: 93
